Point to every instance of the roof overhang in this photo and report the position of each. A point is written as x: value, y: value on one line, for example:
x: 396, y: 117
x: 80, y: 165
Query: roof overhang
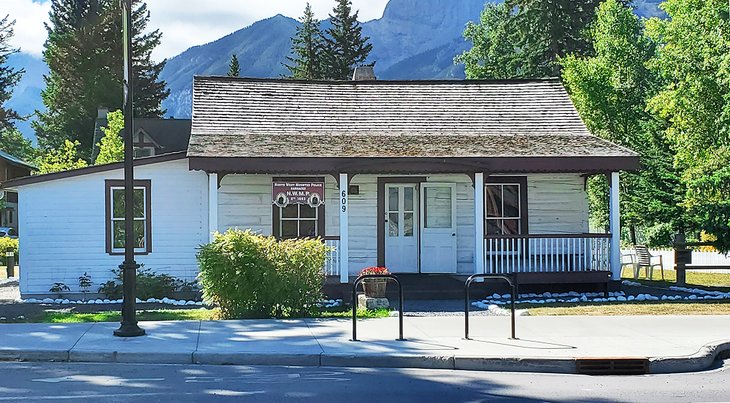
x: 30, y: 180
x: 248, y: 165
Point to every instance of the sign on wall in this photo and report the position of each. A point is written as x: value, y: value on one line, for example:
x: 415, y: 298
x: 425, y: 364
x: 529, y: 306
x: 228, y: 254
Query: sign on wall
x: 309, y: 193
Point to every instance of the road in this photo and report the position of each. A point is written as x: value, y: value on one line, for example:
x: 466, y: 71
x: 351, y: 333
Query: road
x: 36, y: 382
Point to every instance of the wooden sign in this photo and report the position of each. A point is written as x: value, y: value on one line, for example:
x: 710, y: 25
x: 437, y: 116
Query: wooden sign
x: 309, y: 193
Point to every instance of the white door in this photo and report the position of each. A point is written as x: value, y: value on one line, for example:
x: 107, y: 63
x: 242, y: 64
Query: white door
x: 438, y: 230
x: 401, y: 228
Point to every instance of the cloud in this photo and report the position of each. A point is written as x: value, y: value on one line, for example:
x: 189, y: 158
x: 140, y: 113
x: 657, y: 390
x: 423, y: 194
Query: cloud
x: 203, y: 21
x: 184, y: 23
x: 29, y: 16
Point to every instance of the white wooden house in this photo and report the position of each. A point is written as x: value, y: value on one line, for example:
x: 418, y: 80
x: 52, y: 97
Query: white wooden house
x: 448, y: 177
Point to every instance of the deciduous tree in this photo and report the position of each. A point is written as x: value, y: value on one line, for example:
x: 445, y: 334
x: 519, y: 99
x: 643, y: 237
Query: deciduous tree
x: 111, y: 146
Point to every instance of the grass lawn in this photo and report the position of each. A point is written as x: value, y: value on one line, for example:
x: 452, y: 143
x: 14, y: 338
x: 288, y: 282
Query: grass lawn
x: 631, y: 309
x: 694, y: 279
x: 178, y: 314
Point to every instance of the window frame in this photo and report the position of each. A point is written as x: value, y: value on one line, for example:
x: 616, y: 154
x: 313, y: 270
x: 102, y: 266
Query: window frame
x: 276, y: 219
x: 521, y: 181
x: 146, y: 185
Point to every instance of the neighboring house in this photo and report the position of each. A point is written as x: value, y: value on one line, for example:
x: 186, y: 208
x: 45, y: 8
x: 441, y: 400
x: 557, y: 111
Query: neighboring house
x: 10, y: 168
x: 449, y: 177
x: 152, y: 136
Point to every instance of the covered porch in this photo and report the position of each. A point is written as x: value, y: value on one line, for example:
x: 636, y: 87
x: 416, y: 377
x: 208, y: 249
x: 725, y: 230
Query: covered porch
x: 434, y: 223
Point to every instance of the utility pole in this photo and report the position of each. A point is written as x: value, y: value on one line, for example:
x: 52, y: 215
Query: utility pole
x: 129, y: 327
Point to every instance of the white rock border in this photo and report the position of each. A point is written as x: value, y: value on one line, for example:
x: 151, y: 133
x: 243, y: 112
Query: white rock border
x: 497, y: 300
x: 327, y: 303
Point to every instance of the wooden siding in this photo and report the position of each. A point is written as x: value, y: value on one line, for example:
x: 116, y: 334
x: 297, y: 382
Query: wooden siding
x: 63, y: 227
x: 557, y: 204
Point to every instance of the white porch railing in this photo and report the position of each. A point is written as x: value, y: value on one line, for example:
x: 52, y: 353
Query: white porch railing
x: 332, y: 264
x: 547, y: 253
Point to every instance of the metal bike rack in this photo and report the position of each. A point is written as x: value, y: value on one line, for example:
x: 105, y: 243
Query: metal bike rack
x: 468, y: 283
x: 354, y: 303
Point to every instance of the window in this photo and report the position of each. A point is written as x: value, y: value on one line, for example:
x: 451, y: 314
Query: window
x: 115, y: 217
x: 141, y: 152
x: 505, y: 206
x: 298, y: 220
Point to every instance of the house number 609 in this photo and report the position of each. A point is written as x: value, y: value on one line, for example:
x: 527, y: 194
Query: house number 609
x: 344, y: 201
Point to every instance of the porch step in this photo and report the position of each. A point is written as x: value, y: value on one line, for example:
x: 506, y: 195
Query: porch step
x: 419, y: 287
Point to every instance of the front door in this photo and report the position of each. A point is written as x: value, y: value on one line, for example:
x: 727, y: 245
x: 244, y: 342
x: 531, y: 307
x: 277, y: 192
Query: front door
x: 401, y: 228
x: 438, y: 232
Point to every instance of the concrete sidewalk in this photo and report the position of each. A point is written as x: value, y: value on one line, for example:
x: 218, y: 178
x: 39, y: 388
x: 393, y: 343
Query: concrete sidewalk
x: 544, y: 344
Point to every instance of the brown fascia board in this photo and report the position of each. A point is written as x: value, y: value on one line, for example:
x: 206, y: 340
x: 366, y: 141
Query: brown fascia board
x: 273, y: 165
x: 30, y: 180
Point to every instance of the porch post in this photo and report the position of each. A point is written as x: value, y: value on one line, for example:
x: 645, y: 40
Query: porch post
x: 212, y: 205
x: 344, y: 230
x: 615, y: 227
x: 479, y: 223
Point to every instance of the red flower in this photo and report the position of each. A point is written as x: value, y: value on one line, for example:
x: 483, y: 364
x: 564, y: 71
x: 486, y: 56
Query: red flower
x: 374, y: 270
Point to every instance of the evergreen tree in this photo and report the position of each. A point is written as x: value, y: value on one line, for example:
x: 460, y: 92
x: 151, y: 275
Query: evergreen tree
x: 345, y: 47
x: 234, y: 69
x: 611, y: 90
x: 307, y: 48
x: 85, y: 59
x: 13, y: 143
x: 9, y: 77
x: 527, y: 38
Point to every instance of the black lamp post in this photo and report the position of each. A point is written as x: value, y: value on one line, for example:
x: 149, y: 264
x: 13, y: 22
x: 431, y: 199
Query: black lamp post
x: 129, y: 327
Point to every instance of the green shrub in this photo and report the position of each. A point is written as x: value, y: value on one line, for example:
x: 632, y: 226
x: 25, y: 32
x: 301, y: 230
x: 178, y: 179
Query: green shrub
x: 659, y: 235
x: 5, y: 244
x: 149, y: 285
x: 253, y: 276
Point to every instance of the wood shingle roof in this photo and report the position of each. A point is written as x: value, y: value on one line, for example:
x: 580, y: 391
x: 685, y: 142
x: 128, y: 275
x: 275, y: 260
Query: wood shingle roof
x: 259, y: 118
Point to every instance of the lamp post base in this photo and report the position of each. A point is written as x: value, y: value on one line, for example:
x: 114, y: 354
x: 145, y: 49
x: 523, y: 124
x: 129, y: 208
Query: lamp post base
x: 129, y: 330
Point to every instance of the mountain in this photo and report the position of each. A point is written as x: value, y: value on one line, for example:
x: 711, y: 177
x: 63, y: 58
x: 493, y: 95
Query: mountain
x: 415, y: 39
x: 424, y: 31
x: 27, y: 95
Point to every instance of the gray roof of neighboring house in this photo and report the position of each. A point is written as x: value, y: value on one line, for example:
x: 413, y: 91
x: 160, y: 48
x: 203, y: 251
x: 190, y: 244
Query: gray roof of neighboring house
x: 171, y: 134
x: 235, y: 117
x: 17, y: 161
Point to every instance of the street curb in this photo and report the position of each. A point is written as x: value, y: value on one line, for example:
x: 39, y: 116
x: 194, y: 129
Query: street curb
x: 388, y: 361
x: 129, y: 357
x: 541, y: 365
x: 34, y: 355
x: 701, y: 360
x: 301, y: 360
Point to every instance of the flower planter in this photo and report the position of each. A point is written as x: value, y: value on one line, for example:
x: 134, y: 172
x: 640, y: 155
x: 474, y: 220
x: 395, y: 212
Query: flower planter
x: 374, y: 287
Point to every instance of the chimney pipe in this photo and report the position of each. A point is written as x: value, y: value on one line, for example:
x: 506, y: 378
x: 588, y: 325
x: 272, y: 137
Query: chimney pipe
x: 364, y: 73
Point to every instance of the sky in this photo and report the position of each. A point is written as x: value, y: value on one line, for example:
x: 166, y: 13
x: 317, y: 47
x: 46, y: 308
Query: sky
x: 184, y: 23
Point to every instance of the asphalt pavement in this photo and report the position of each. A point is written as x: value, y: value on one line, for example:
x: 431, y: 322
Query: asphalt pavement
x: 44, y: 382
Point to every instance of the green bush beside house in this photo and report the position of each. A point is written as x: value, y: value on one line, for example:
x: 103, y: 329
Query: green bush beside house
x: 254, y: 276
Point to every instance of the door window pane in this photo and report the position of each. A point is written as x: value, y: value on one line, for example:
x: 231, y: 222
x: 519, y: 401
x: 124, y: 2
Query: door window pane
x: 493, y: 227
x: 393, y: 199
x: 408, y: 224
x: 437, y: 207
x: 393, y: 224
x: 408, y: 192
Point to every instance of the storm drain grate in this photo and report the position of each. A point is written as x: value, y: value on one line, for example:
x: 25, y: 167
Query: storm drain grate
x: 612, y: 366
